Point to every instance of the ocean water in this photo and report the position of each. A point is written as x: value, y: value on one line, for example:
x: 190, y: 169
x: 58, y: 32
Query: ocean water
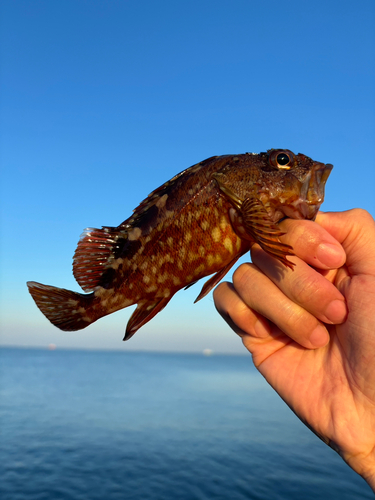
x: 138, y: 426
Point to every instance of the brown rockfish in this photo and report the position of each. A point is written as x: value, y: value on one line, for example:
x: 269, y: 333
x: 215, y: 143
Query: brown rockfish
x: 198, y: 223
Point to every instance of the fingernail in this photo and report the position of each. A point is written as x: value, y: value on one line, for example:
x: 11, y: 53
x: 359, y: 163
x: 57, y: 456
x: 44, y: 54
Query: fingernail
x: 336, y: 312
x: 319, y: 336
x: 330, y: 255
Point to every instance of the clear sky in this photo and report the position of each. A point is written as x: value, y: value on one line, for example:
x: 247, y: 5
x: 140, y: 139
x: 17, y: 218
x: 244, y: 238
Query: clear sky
x: 103, y: 101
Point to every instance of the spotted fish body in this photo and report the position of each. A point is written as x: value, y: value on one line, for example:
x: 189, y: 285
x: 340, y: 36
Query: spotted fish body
x: 197, y: 224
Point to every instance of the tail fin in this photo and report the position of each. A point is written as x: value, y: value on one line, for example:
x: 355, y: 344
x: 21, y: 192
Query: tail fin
x: 65, y: 309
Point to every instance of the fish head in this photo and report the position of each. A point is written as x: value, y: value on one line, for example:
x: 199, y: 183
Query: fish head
x: 292, y: 185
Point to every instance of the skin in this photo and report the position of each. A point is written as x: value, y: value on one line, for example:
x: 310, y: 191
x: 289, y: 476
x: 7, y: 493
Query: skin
x: 311, y: 331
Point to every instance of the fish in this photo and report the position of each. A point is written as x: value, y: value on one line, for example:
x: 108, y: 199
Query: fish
x: 197, y: 224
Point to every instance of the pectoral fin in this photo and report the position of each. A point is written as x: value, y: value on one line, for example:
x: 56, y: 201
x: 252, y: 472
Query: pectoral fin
x: 252, y: 222
x: 262, y: 230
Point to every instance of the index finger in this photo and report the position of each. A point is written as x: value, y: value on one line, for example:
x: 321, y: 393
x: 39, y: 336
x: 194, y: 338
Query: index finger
x: 313, y: 243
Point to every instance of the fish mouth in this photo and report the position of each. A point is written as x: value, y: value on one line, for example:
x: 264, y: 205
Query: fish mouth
x: 311, y: 196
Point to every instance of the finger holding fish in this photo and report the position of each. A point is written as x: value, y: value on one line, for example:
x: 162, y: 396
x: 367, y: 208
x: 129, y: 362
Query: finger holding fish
x: 263, y: 296
x: 261, y: 337
x: 313, y: 244
x: 297, y: 301
x: 305, y: 287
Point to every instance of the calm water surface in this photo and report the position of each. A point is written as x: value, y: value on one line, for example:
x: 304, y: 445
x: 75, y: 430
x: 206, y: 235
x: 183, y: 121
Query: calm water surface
x: 138, y: 426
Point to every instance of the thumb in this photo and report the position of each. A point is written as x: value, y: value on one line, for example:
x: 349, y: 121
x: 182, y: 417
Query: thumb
x: 355, y: 230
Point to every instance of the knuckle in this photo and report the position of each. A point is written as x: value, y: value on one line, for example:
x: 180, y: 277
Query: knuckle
x: 299, y: 232
x: 306, y: 287
x: 298, y: 321
x: 242, y: 276
x: 361, y: 216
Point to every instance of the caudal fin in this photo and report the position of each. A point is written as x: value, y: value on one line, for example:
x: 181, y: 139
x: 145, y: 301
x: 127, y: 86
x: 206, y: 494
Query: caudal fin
x: 67, y: 310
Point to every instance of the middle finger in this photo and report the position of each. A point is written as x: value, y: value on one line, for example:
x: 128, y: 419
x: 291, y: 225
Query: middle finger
x: 304, y: 286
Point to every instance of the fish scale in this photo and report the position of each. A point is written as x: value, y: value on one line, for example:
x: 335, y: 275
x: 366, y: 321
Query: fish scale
x: 199, y: 223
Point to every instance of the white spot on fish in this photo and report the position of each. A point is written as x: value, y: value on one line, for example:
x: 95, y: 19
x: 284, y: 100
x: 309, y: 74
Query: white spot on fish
x: 210, y: 260
x: 176, y: 280
x: 134, y: 234
x: 205, y: 225
x: 146, y: 279
x: 124, y: 302
x: 223, y: 223
x: 216, y: 234
x: 228, y: 245
x: 162, y: 201
x: 192, y: 256
x: 218, y: 259
x: 116, y: 263
x: 199, y: 269
x: 187, y: 236
x: 170, y: 241
x: 162, y: 278
x: 100, y: 291
x: 182, y: 252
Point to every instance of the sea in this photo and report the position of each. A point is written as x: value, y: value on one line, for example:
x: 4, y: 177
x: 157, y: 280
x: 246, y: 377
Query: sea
x: 99, y: 425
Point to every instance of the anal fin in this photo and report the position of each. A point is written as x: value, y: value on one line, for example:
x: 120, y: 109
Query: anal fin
x: 145, y: 311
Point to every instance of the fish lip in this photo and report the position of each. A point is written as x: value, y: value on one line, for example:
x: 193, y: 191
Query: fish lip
x: 312, y: 190
x: 311, y: 194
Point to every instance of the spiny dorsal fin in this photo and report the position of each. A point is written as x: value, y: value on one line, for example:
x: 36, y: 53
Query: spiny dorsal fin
x: 142, y: 214
x: 94, y: 254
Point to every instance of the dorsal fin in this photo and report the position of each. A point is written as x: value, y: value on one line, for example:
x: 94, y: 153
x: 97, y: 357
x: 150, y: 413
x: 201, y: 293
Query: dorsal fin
x: 94, y: 254
x: 144, y: 211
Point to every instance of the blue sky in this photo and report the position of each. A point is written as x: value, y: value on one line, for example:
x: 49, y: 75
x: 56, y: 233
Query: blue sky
x: 103, y: 101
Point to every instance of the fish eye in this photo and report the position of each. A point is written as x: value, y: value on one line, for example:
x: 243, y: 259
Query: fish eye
x: 283, y: 160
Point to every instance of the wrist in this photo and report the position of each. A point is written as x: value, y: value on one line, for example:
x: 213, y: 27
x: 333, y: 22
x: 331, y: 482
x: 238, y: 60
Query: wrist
x: 365, y: 467
x: 370, y: 479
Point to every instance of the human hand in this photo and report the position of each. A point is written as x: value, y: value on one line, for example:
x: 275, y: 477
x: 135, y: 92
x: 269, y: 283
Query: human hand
x: 311, y: 331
